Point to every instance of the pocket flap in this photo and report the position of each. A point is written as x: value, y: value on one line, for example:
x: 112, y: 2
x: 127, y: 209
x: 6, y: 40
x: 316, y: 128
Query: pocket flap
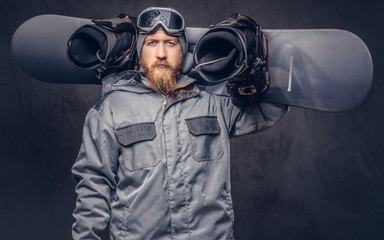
x: 136, y: 133
x: 203, y: 125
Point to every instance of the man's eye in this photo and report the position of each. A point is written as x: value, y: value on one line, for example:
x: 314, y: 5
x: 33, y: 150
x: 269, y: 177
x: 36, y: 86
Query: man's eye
x: 171, y: 43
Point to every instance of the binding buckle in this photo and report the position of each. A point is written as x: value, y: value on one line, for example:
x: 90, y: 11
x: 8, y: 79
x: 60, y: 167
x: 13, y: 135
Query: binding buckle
x: 250, y: 90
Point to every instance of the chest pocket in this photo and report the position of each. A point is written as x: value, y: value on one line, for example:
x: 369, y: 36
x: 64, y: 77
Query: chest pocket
x: 204, y: 133
x: 139, y: 145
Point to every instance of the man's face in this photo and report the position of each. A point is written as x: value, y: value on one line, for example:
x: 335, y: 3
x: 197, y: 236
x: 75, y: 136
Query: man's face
x: 162, y: 60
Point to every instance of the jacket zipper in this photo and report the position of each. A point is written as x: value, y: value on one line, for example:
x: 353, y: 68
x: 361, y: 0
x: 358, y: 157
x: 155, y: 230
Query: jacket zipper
x: 165, y: 96
x: 165, y: 104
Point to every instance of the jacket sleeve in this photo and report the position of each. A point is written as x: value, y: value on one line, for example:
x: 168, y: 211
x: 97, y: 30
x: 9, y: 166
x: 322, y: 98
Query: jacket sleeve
x: 95, y: 172
x: 253, y: 118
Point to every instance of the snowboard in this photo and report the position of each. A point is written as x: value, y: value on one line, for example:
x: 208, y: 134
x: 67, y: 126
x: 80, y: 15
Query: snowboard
x: 322, y: 69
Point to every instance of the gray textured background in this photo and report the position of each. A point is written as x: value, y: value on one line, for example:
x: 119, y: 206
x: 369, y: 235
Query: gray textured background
x: 315, y: 175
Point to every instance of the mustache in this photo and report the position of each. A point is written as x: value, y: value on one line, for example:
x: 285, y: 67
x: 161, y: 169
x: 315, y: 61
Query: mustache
x: 162, y: 63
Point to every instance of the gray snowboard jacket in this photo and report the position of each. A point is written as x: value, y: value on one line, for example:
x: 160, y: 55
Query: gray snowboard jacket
x: 158, y: 167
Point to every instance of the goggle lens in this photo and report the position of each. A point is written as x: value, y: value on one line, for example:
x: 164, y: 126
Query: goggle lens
x: 172, y: 21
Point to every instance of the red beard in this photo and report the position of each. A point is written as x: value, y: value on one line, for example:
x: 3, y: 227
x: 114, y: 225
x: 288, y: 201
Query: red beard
x: 162, y: 75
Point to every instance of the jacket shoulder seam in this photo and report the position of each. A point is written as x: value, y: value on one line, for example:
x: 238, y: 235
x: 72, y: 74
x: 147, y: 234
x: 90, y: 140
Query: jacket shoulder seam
x: 108, y: 125
x: 98, y: 105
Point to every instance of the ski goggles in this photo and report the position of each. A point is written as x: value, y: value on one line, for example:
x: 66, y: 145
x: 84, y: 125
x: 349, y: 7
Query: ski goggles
x: 169, y: 19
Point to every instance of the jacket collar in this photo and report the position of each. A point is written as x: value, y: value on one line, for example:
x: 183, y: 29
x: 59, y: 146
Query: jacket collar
x: 134, y: 81
x: 183, y: 81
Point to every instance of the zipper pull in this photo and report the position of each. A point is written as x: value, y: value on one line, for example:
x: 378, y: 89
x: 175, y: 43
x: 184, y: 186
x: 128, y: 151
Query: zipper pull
x: 165, y: 96
x: 165, y: 104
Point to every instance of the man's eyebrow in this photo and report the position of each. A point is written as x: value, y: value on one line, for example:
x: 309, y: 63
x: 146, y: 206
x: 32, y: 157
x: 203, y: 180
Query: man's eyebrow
x: 149, y: 39
x: 153, y: 39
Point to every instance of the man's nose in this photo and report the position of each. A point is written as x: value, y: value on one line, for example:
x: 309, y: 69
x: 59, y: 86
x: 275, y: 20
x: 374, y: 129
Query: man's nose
x: 161, y: 52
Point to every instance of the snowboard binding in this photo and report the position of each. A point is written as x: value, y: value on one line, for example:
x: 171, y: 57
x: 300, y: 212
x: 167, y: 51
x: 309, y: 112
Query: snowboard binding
x: 107, y: 46
x: 234, y: 50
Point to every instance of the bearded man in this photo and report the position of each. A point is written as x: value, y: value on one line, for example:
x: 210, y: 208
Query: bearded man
x: 155, y: 157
